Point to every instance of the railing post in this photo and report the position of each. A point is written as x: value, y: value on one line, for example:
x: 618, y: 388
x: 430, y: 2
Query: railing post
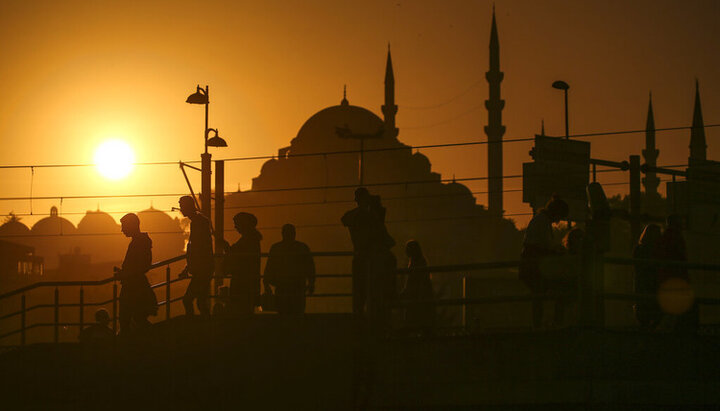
x: 114, y: 303
x: 22, y: 320
x: 82, y: 308
x: 167, y: 292
x: 464, y: 306
x: 57, y: 315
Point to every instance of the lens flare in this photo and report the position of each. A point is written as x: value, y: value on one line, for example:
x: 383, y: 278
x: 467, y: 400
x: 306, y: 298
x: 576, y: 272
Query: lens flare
x: 114, y: 159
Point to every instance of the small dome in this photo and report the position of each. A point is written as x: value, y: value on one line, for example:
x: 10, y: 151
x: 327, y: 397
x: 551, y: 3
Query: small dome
x: 13, y: 227
x: 53, y: 225
x: 97, y: 222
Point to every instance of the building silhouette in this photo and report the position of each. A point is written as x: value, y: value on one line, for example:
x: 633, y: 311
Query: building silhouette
x: 441, y: 214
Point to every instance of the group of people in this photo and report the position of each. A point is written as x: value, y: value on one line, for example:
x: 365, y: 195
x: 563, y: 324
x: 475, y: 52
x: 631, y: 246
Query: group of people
x: 553, y: 270
x: 374, y: 268
x: 289, y: 274
x: 666, y: 300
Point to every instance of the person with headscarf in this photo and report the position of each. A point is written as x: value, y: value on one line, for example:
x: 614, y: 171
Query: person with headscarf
x: 137, y: 299
x: 242, y: 262
x: 290, y: 269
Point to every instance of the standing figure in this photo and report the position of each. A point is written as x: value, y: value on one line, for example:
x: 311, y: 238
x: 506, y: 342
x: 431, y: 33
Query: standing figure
x: 200, y: 260
x: 243, y: 263
x: 291, y: 270
x: 418, y: 287
x: 675, y: 292
x: 359, y: 224
x: 647, y: 311
x: 137, y: 299
x: 537, y: 245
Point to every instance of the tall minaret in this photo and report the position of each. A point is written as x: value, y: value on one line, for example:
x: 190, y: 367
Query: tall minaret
x: 698, y: 147
x: 389, y: 109
x: 495, y: 130
x: 650, y: 154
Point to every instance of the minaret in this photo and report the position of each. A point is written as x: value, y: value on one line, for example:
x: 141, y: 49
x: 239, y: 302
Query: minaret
x: 495, y: 130
x: 650, y: 154
x: 390, y: 109
x: 698, y: 147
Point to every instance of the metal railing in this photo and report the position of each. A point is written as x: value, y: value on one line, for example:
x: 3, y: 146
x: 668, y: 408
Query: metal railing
x: 463, y: 269
x: 81, y: 304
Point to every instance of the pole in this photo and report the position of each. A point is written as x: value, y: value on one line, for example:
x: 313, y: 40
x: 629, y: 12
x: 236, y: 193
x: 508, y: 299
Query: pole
x: 167, y: 292
x: 22, y: 320
x: 205, y: 204
x: 114, y: 303
x: 82, y: 308
x: 56, y: 336
x: 362, y: 165
x: 567, y: 127
x: 219, y: 221
x: 207, y: 105
x: 635, y: 200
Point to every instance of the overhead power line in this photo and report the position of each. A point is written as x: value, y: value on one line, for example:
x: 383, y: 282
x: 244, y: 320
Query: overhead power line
x: 326, y: 153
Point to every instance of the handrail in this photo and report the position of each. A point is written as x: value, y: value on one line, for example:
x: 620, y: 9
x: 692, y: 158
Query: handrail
x: 83, y: 283
x: 665, y: 263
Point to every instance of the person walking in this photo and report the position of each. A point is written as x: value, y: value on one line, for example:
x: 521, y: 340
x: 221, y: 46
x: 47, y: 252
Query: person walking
x: 200, y: 260
x: 418, y: 288
x: 137, y: 299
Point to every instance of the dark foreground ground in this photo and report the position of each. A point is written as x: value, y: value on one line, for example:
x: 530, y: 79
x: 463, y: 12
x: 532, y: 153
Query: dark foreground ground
x: 323, y: 363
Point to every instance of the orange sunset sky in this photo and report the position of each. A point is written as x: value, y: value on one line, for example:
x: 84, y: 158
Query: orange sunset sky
x: 75, y: 74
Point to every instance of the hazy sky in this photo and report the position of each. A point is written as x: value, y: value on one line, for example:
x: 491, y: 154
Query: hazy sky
x: 77, y: 73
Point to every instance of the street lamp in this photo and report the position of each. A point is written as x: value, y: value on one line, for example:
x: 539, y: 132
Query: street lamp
x: 202, y: 96
x: 561, y: 85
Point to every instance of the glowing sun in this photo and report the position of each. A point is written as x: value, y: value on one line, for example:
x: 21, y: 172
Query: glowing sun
x: 114, y: 159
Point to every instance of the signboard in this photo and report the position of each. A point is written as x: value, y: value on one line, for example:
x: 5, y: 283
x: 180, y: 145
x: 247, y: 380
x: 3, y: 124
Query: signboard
x: 561, y: 167
x: 698, y: 197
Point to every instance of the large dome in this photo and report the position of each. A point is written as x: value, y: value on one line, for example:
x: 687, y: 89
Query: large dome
x: 322, y: 127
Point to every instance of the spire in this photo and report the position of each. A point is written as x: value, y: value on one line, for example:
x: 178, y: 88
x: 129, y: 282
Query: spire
x: 389, y: 109
x: 344, y: 101
x: 650, y: 155
x: 698, y: 147
x: 542, y: 125
x: 494, y: 129
x: 494, y: 45
x: 650, y: 126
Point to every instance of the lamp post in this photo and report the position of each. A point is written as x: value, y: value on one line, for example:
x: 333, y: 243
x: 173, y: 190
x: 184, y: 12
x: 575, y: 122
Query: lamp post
x: 202, y: 96
x: 561, y: 85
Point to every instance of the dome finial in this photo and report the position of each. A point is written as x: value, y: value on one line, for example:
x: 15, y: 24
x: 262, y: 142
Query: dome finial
x: 344, y: 101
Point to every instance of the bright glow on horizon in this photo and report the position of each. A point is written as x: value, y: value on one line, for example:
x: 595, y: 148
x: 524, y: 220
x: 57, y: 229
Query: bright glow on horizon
x: 114, y: 159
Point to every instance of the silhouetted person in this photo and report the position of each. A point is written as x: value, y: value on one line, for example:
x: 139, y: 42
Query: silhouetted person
x: 418, y: 287
x: 291, y: 270
x: 98, y: 334
x: 537, y: 245
x: 243, y: 263
x: 381, y: 288
x: 200, y: 260
x: 137, y: 299
x: 671, y: 246
x: 359, y: 224
x: 564, y: 282
x: 647, y: 311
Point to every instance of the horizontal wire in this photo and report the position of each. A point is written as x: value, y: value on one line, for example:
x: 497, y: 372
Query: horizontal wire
x: 404, y: 147
x: 306, y: 188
